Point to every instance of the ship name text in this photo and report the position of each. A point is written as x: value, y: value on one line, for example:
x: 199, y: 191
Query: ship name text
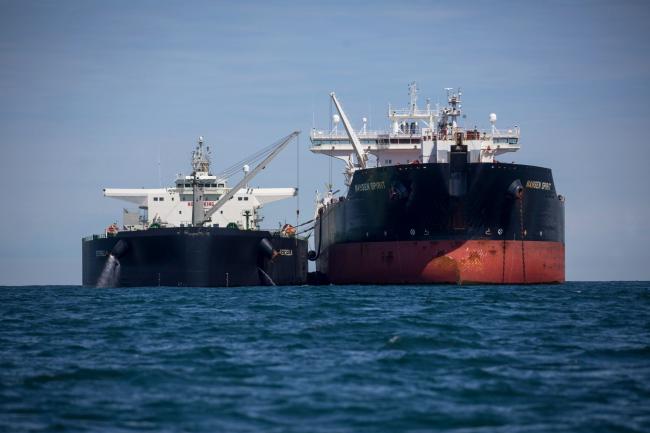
x: 369, y: 186
x: 536, y: 184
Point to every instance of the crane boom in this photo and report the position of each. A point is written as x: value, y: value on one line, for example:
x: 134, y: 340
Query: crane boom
x: 261, y: 166
x: 361, y: 155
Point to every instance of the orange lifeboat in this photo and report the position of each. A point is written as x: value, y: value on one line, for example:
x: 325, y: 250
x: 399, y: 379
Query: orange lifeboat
x: 288, y: 230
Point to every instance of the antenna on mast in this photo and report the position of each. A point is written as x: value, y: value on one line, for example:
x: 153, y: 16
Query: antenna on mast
x: 413, y: 94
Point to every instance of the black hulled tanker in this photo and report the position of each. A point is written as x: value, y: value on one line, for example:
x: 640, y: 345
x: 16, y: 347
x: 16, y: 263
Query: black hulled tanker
x: 194, y: 256
x: 461, y: 218
x: 198, y: 233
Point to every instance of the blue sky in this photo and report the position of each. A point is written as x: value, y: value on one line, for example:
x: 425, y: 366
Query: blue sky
x: 91, y: 92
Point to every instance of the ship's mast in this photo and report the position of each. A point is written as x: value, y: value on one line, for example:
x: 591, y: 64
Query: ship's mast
x: 201, y: 158
x: 452, y: 111
x: 413, y: 94
x: 398, y: 117
x: 200, y: 166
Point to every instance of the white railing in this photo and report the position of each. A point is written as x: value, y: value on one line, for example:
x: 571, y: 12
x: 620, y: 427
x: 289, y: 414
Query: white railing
x: 468, y: 134
x: 318, y: 133
x: 402, y: 112
x: 91, y: 237
x: 510, y: 132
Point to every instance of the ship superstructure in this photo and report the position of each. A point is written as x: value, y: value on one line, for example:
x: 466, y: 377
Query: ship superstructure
x: 173, y: 206
x: 428, y: 202
x: 415, y: 135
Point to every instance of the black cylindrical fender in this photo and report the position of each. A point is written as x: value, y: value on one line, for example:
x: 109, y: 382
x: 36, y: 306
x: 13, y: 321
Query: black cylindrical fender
x: 516, y: 189
x: 120, y: 248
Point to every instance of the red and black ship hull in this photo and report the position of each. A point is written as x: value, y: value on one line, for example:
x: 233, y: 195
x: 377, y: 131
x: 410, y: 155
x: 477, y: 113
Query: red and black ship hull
x: 444, y: 223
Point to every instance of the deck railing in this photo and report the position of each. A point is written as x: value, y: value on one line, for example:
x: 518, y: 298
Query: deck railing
x: 473, y: 134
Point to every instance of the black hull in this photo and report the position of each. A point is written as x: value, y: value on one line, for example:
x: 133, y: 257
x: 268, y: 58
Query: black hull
x: 487, y: 222
x: 197, y: 257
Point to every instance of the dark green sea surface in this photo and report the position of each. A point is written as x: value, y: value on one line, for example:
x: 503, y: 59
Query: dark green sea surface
x: 573, y: 357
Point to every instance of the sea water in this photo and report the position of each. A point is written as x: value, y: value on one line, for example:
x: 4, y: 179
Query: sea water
x: 572, y: 357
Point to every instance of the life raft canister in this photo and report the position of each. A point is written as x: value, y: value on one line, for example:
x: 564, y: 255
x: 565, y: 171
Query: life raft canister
x: 112, y: 230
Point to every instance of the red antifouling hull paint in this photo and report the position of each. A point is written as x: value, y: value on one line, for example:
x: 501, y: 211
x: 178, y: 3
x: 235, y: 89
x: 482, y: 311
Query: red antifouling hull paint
x: 458, y: 262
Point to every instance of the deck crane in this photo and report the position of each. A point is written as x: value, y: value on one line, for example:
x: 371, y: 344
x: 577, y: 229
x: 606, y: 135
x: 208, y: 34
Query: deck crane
x: 361, y: 155
x: 198, y: 221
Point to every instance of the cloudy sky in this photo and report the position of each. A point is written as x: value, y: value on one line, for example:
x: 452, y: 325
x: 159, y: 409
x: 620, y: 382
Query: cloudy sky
x: 91, y: 92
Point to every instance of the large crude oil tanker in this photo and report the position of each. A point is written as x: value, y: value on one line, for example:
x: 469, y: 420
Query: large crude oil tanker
x: 198, y: 232
x: 428, y: 202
